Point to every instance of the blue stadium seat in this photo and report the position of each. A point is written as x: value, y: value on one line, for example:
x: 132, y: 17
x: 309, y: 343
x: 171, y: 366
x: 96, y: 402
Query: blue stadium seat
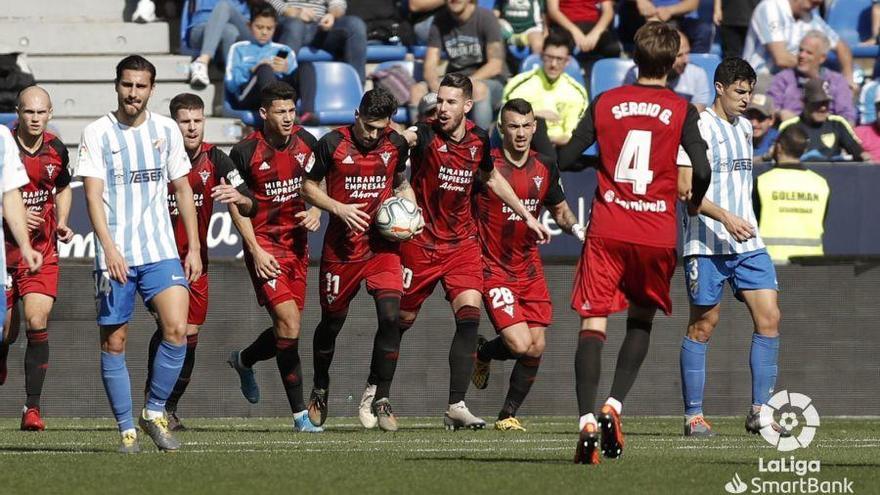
x: 384, y: 53
x: 867, y: 108
x: 708, y: 62
x: 8, y: 119
x: 309, y: 54
x: 851, y: 19
x: 486, y: 4
x: 608, y: 73
x: 519, y: 52
x: 418, y: 51
x: 247, y: 117
x: 573, y: 69
x: 331, y: 92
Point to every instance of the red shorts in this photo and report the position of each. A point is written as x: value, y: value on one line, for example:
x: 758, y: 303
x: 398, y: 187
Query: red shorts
x: 20, y: 282
x: 339, y: 282
x: 198, y: 301
x: 510, y: 300
x: 612, y: 272
x: 290, y: 285
x: 458, y: 269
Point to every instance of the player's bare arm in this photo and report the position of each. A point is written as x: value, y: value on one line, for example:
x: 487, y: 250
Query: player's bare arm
x: 230, y: 196
x: 352, y: 214
x: 402, y: 187
x: 499, y: 185
x: 431, y: 68
x: 700, y: 171
x: 266, y: 265
x: 780, y: 55
x: 192, y: 265
x: 63, y: 200
x: 116, y: 265
x: 14, y: 215
x: 566, y: 220
x: 740, y: 229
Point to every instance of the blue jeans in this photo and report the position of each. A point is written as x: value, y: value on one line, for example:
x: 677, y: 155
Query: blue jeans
x: 347, y: 39
x: 225, y: 26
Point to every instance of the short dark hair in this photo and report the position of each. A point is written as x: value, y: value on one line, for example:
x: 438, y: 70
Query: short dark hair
x: 559, y: 37
x: 517, y: 105
x: 377, y: 104
x: 460, y: 81
x: 793, y: 141
x: 657, y: 45
x: 733, y: 69
x: 262, y: 9
x: 185, y: 101
x: 278, y: 90
x: 136, y: 63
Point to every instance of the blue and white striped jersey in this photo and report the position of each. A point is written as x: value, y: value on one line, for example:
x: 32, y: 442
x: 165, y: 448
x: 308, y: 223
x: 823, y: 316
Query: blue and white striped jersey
x: 730, y: 156
x: 136, y: 165
x: 773, y: 21
x: 12, y: 176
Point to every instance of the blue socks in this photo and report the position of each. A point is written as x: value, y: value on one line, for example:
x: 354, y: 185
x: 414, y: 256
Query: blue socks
x: 763, y: 361
x: 114, y: 373
x: 693, y: 374
x: 166, y: 370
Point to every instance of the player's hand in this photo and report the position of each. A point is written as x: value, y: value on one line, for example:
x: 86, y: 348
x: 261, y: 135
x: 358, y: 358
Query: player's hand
x: 33, y: 258
x: 354, y: 216
x: 116, y: 265
x: 64, y: 233
x: 326, y: 22
x: 538, y: 228
x: 738, y: 228
x: 692, y: 209
x: 226, y: 194
x: 266, y: 265
x: 192, y: 265
x: 579, y: 231
x: 587, y: 42
x: 717, y: 15
x: 646, y: 8
x: 34, y: 220
x: 663, y: 14
x: 310, y: 219
x: 279, y: 65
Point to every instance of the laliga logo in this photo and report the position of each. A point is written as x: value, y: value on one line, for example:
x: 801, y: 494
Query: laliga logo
x: 789, y: 420
x: 736, y: 485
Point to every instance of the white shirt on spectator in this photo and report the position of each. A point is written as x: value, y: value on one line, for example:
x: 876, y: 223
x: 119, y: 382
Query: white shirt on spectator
x: 772, y: 21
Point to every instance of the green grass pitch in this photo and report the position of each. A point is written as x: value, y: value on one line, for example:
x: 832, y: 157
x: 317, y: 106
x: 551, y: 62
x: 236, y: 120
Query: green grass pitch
x: 261, y: 456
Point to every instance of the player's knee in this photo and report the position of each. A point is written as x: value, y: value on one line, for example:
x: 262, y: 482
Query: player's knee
x: 174, y: 332
x: 37, y: 321
x: 701, y: 330
x: 536, y: 350
x: 767, y: 323
x: 518, y: 347
x: 114, y: 344
x: 287, y: 328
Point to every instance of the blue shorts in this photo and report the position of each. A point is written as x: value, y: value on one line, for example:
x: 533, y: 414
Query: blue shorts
x: 705, y: 275
x: 115, y: 301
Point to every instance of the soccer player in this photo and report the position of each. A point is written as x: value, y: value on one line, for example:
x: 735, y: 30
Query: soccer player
x: 126, y: 159
x: 47, y: 199
x: 364, y: 164
x: 273, y: 162
x: 448, y: 155
x: 629, y: 256
x: 212, y: 177
x: 514, y: 290
x: 722, y: 245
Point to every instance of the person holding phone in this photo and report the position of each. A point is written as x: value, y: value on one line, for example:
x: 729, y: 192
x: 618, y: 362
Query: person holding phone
x: 253, y: 65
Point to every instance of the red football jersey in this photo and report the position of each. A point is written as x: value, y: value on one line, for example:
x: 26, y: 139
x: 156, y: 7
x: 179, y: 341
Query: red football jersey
x: 48, y: 171
x: 442, y: 177
x: 356, y: 175
x: 638, y: 130
x: 207, y: 168
x: 275, y: 178
x: 506, y: 240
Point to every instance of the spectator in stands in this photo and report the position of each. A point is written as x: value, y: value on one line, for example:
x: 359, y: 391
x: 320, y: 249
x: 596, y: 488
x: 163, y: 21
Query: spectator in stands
x: 786, y: 87
x: 214, y: 25
x: 526, y: 21
x: 253, y: 65
x: 421, y: 16
x: 384, y: 20
x: 688, y: 80
x: 875, y: 24
x: 323, y: 24
x: 829, y: 134
x: 555, y: 96
x: 762, y: 114
x: 634, y: 13
x: 699, y: 27
x: 732, y: 18
x: 775, y: 32
x: 869, y: 134
x: 589, y: 23
x: 428, y: 107
x: 471, y: 39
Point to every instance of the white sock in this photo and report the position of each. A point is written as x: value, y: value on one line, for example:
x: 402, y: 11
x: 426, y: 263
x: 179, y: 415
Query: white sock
x: 151, y: 415
x: 615, y: 404
x: 130, y: 430
x: 586, y: 418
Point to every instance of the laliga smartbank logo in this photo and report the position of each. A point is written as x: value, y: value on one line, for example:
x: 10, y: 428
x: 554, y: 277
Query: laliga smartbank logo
x: 796, y: 413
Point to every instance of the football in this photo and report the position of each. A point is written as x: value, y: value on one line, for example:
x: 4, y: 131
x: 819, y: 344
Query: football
x: 398, y: 219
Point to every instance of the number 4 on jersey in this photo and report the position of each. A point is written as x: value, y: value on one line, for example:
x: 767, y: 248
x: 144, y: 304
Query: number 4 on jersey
x: 633, y: 164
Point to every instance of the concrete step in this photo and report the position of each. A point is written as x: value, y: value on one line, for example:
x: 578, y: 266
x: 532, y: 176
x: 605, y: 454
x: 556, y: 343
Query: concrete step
x: 89, y: 99
x: 62, y: 9
x: 88, y: 38
x: 218, y: 130
x: 83, y: 68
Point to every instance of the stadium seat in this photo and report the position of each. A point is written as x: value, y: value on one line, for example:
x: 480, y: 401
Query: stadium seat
x: 487, y: 4
x: 867, y: 109
x: 247, y: 117
x: 418, y: 51
x: 573, y: 69
x: 708, y: 62
x: 309, y: 54
x: 402, y: 115
x: 608, y: 73
x: 519, y: 52
x: 8, y: 118
x: 331, y: 92
x: 851, y: 19
x: 384, y: 53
